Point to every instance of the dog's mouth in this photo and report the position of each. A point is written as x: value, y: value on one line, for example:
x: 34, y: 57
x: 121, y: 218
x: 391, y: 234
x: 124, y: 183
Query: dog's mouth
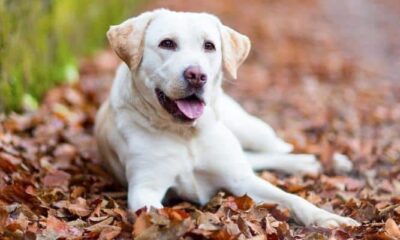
x: 185, y: 109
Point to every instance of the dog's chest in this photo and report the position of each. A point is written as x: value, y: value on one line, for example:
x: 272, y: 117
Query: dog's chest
x: 189, y: 185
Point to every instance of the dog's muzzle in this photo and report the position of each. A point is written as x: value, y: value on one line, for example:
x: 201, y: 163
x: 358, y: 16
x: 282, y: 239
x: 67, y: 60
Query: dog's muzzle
x: 185, y: 109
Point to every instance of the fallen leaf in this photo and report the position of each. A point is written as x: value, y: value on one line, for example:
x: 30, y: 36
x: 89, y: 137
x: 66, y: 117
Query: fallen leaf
x: 392, y: 229
x: 208, y: 221
x: 244, y: 202
x: 59, y: 229
x: 98, y: 227
x: 109, y: 233
x: 56, y: 178
x: 142, y: 222
x: 79, y: 207
x: 78, y: 191
x: 222, y: 235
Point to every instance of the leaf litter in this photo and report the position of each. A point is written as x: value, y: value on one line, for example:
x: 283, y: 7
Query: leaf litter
x: 321, y: 100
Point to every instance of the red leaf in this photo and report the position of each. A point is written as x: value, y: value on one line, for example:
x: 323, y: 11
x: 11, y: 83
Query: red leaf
x: 56, y: 178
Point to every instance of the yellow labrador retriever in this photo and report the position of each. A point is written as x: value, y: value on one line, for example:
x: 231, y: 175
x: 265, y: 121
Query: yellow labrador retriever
x: 168, y: 123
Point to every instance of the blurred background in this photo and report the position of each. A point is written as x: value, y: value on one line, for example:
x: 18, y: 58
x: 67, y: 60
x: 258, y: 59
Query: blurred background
x: 43, y: 42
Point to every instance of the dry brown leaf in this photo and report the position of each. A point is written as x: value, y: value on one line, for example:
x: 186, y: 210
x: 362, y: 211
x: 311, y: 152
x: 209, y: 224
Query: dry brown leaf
x: 58, y: 228
x: 98, y: 219
x: 208, y: 221
x: 109, y: 233
x: 397, y: 210
x: 79, y: 207
x: 222, y: 235
x: 392, y: 229
x: 142, y: 222
x: 56, y: 178
x: 3, y: 216
x: 244, y: 202
x: 259, y: 237
x: 298, y: 79
x: 232, y: 229
x: 77, y: 192
x: 122, y: 213
x: 98, y: 227
x: 174, y: 214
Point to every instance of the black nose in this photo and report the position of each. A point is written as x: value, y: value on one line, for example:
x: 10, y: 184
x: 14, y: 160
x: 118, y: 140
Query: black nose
x: 195, y: 76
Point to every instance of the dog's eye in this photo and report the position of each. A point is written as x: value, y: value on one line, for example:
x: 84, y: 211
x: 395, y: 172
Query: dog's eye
x: 209, y: 46
x: 168, y: 44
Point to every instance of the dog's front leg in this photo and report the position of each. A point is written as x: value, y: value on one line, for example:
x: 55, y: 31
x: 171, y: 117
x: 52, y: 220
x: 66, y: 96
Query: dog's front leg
x: 302, y: 210
x: 147, y: 186
x: 227, y: 168
x: 144, y: 196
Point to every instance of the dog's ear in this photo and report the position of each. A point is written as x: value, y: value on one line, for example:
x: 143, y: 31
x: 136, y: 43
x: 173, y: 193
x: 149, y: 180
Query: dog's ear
x: 235, y: 49
x: 126, y: 39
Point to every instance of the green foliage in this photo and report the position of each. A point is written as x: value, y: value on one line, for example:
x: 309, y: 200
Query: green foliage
x: 40, y: 41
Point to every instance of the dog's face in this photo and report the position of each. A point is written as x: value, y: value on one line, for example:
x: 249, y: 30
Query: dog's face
x: 177, y: 59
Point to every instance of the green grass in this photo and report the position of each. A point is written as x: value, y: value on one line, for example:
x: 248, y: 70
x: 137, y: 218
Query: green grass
x: 41, y: 41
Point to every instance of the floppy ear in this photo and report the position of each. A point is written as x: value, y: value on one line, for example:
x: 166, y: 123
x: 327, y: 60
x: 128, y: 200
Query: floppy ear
x: 235, y: 49
x: 126, y: 39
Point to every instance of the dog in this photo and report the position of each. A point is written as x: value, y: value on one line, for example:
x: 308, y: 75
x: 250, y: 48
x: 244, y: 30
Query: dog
x: 168, y: 124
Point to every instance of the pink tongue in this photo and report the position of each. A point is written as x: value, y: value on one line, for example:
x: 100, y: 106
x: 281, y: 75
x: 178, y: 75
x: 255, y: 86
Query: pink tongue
x: 191, y: 108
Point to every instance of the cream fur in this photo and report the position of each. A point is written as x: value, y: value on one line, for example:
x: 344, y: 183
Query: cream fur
x: 151, y: 152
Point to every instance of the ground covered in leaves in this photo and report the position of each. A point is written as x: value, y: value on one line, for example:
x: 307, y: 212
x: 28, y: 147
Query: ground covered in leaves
x: 298, y: 78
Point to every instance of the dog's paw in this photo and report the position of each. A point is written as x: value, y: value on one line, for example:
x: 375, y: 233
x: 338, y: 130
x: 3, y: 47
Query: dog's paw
x: 310, y: 215
x: 341, y: 163
x: 305, y: 164
x: 281, y: 146
x: 330, y: 220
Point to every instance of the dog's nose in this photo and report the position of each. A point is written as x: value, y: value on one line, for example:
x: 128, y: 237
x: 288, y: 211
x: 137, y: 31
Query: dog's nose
x: 195, y: 76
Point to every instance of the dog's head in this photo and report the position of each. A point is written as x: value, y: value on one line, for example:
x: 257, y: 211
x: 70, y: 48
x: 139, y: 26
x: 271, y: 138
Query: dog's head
x: 177, y: 58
